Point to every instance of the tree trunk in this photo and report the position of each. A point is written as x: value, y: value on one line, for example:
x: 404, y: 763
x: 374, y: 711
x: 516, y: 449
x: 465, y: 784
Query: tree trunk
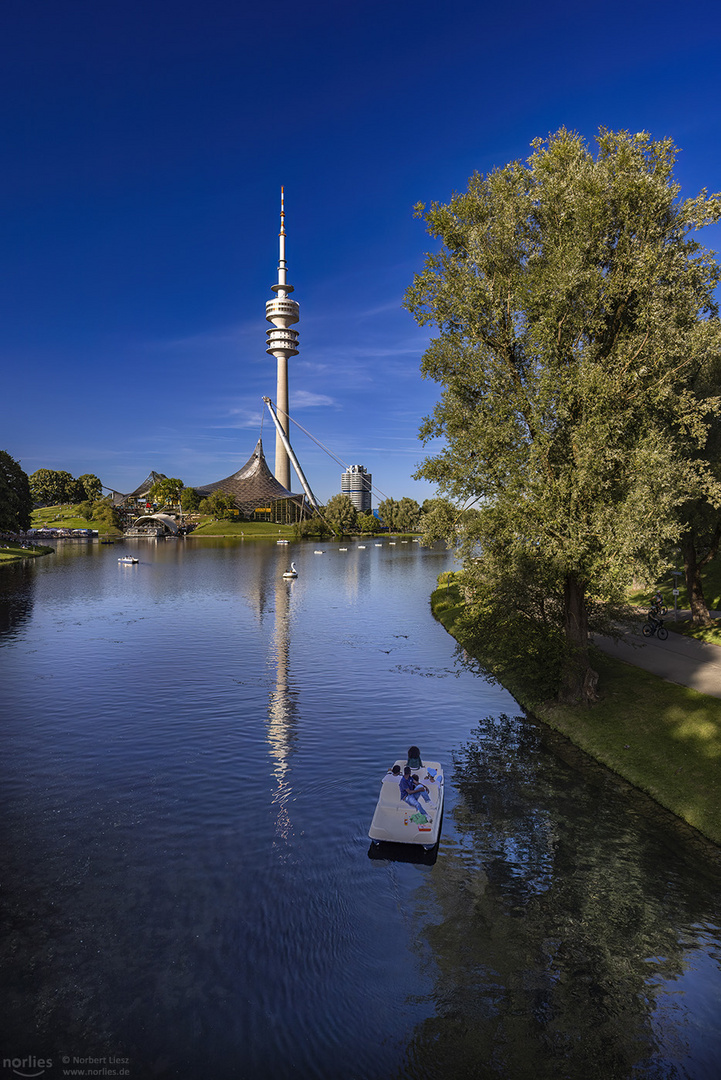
x: 692, y: 569
x: 578, y: 682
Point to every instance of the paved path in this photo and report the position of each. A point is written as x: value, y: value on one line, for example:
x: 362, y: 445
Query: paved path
x: 680, y: 659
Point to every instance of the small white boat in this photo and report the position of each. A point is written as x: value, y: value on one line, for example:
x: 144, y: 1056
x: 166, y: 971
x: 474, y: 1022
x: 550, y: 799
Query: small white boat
x: 396, y: 822
x: 361, y: 547
x: 391, y: 543
x: 127, y: 560
x: 282, y: 541
x: 292, y: 572
x: 342, y: 549
x: 319, y: 553
x: 379, y: 545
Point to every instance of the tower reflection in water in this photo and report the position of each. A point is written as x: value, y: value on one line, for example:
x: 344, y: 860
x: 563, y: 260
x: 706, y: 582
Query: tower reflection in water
x: 282, y: 709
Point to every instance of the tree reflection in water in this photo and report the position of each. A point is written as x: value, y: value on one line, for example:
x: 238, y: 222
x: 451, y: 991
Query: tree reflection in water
x: 558, y: 929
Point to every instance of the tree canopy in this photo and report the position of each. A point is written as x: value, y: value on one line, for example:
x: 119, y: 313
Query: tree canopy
x: 219, y: 504
x: 50, y: 486
x: 189, y: 499
x: 167, y: 491
x: 341, y: 513
x: 569, y: 291
x: 92, y: 486
x: 15, y: 499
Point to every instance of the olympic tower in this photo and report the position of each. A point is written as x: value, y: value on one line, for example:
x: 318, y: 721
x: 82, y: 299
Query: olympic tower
x: 283, y: 313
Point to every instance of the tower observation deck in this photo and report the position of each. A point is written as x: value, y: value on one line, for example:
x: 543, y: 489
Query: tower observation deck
x: 282, y: 343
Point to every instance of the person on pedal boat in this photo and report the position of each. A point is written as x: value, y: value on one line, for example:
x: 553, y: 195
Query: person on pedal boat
x: 411, y: 792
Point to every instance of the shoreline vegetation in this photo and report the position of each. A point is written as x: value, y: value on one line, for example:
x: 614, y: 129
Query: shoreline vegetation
x: 66, y: 517
x: 662, y: 738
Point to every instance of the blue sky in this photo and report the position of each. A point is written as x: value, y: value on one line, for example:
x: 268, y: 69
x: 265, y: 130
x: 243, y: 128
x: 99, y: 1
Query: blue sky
x: 145, y: 143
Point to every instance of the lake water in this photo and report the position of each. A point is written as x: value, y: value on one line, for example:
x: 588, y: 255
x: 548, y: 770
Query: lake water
x: 191, y: 755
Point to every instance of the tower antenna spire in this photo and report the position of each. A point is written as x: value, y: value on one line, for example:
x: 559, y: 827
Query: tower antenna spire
x: 283, y: 313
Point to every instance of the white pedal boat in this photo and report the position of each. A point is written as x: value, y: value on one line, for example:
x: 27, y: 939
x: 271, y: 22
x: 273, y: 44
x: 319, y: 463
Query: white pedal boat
x: 392, y: 818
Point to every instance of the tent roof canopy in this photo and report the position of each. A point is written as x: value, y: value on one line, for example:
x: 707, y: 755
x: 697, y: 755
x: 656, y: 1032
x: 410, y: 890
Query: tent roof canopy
x: 253, y: 485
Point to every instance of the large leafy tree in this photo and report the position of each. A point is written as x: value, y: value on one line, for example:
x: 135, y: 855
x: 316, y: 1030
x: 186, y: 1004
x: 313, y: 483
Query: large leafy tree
x: 568, y: 291
x: 219, y: 504
x: 50, y: 486
x: 92, y: 486
x: 189, y: 499
x: 367, y: 523
x: 166, y: 492
x: 408, y: 515
x: 45, y: 487
x: 701, y: 516
x: 15, y: 499
x: 388, y: 513
x: 340, y: 512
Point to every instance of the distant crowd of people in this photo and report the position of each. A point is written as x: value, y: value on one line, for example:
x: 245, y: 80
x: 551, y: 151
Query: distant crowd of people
x: 15, y: 538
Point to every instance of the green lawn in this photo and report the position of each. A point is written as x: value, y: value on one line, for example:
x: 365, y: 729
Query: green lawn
x: 66, y: 517
x: 11, y: 552
x: 711, y: 634
x: 248, y: 529
x: 662, y: 738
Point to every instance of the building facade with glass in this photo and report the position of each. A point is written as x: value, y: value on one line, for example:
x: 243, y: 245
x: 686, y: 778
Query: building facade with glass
x: 355, y: 482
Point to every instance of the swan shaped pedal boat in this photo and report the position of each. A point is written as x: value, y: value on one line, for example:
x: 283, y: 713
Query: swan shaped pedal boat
x: 392, y: 821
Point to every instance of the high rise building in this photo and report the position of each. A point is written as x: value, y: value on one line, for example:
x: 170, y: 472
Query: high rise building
x: 356, y: 483
x: 282, y: 344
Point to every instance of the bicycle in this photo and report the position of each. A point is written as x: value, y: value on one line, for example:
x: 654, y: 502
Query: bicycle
x: 657, y: 607
x: 654, y: 627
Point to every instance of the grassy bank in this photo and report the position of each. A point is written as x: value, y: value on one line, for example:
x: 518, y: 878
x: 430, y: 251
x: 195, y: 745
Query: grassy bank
x: 67, y: 517
x: 12, y: 552
x: 247, y: 529
x: 662, y: 738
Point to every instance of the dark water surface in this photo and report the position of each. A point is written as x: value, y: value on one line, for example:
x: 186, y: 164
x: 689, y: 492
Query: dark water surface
x: 191, y: 754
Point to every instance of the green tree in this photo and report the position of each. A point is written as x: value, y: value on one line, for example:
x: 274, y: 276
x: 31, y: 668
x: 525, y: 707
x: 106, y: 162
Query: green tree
x: 701, y: 516
x: 85, y: 509
x: 388, y: 513
x: 69, y: 489
x: 50, y: 486
x: 166, y: 492
x: 341, y: 514
x: 92, y: 486
x: 218, y: 504
x: 367, y: 523
x: 189, y: 500
x: 568, y: 291
x: 314, y: 526
x: 16, y: 501
x: 408, y: 515
x: 106, y: 516
x: 44, y: 487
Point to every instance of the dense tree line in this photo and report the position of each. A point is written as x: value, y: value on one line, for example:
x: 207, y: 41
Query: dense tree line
x: 54, y: 486
x: 404, y: 515
x: 578, y: 356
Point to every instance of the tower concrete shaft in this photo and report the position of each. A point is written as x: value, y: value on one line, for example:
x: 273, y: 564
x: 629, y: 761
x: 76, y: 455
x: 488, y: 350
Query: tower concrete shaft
x: 283, y: 313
